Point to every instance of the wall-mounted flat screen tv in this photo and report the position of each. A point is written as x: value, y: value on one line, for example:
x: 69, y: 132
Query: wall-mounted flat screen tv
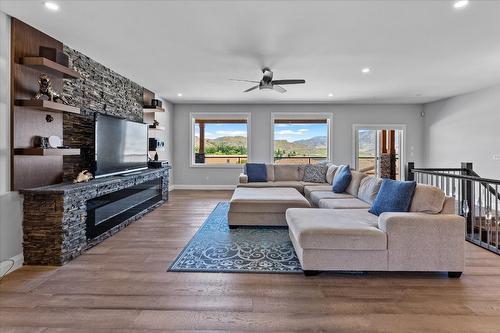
x: 121, y: 146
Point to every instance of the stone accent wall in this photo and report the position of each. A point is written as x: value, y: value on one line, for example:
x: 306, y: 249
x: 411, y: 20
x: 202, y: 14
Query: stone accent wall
x: 98, y: 90
x: 102, y: 90
x: 78, y: 131
x: 54, y: 222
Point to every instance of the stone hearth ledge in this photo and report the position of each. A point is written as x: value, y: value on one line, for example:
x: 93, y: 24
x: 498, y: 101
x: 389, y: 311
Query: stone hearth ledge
x: 54, y: 221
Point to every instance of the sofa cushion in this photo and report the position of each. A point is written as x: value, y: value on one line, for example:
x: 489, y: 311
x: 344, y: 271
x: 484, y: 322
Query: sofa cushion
x: 346, y: 203
x: 368, y: 189
x: 316, y: 196
x: 356, y: 178
x: 256, y: 172
x: 315, y: 173
x: 344, y: 229
x: 448, y: 206
x: 330, y: 173
x: 342, y: 179
x: 288, y: 172
x: 393, y: 196
x: 310, y: 187
x: 427, y: 199
x: 270, y: 172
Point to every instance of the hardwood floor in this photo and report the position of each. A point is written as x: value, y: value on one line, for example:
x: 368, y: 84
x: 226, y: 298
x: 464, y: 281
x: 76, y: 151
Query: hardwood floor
x: 122, y: 285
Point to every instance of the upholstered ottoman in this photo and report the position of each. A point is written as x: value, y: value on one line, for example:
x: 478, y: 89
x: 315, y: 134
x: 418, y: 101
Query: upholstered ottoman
x: 263, y: 206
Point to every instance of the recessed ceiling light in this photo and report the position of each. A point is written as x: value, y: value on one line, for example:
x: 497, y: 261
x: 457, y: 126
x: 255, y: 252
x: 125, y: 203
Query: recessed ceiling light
x: 330, y: 95
x: 51, y: 5
x: 366, y: 70
x: 179, y: 94
x: 461, y: 4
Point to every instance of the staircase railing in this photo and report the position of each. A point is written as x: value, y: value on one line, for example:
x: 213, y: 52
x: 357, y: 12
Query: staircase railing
x: 476, y: 198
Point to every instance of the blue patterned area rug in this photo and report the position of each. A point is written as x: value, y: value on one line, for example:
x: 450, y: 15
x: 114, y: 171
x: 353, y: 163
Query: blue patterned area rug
x: 216, y: 248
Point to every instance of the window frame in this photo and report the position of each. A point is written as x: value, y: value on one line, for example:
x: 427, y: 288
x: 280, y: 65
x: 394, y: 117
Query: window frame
x: 219, y: 116
x: 328, y: 116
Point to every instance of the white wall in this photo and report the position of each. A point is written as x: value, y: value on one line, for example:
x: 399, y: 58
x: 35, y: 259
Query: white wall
x: 344, y: 116
x: 10, y: 202
x: 464, y: 128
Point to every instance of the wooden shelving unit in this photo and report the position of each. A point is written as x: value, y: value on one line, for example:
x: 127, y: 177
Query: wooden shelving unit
x: 152, y: 110
x: 46, y: 106
x: 50, y: 67
x: 47, y: 151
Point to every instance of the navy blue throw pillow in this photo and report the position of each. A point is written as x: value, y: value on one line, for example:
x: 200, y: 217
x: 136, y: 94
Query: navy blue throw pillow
x: 342, y: 179
x: 256, y: 172
x: 393, y: 196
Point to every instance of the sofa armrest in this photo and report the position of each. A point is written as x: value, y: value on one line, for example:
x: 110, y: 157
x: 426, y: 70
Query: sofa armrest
x: 423, y: 223
x: 424, y: 242
x: 243, y: 178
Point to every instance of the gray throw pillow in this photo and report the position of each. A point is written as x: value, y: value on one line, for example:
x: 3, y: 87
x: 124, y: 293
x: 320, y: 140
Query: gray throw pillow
x: 315, y: 173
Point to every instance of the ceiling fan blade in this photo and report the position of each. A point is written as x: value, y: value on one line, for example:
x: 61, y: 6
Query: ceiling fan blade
x: 251, y: 88
x: 279, y: 89
x: 244, y: 80
x: 294, y: 81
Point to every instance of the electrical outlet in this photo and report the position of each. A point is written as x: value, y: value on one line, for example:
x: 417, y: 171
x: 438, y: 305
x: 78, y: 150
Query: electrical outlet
x: 496, y: 157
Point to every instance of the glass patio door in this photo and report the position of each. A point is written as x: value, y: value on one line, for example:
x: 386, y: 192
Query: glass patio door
x: 378, y: 150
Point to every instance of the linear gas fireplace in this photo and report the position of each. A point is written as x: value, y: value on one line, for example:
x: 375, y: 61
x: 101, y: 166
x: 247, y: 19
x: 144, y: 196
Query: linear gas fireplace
x: 108, y: 211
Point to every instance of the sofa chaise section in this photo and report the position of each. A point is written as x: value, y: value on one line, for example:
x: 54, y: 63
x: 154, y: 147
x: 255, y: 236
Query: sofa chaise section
x: 415, y: 240
x: 327, y: 239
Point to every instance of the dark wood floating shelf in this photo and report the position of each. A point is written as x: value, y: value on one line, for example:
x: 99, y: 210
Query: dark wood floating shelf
x: 157, y: 128
x: 47, y: 151
x: 46, y: 105
x: 51, y: 67
x: 153, y: 109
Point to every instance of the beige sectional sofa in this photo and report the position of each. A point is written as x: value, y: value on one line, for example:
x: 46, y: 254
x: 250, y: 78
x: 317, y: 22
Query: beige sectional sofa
x: 342, y: 235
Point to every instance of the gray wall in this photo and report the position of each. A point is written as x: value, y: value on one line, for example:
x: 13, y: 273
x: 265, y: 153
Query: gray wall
x: 344, y: 116
x: 10, y: 202
x: 464, y: 128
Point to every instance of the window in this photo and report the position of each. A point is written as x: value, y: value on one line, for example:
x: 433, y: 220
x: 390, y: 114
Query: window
x: 301, y: 139
x: 219, y: 140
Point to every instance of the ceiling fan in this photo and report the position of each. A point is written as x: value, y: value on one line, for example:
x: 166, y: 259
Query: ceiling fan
x: 267, y: 82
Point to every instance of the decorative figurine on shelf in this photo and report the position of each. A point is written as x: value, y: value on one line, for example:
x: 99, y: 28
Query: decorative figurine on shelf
x: 45, y: 89
x: 156, y: 123
x: 83, y: 177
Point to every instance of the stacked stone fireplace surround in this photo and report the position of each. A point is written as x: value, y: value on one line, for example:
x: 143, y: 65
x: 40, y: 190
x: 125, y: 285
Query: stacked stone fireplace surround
x: 54, y: 222
x: 99, y: 89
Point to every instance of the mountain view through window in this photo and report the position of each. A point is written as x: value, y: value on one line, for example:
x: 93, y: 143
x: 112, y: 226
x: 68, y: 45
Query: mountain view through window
x: 224, y: 143
x: 300, y: 142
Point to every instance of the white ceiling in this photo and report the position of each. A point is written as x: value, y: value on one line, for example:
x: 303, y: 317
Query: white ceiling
x: 418, y: 51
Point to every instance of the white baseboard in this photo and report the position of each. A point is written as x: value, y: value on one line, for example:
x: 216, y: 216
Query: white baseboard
x: 18, y: 263
x: 204, y: 187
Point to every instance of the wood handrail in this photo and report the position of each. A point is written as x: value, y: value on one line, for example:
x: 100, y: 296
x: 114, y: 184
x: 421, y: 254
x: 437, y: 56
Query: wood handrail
x: 451, y: 175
